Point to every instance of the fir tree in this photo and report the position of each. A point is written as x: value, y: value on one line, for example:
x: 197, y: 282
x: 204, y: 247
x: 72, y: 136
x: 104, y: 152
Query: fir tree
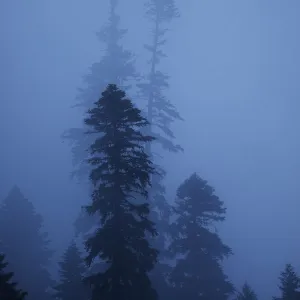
x: 8, y: 289
x: 120, y: 179
x: 25, y: 244
x: 72, y: 271
x: 198, y: 274
x: 289, y: 284
x: 160, y: 113
x: 247, y: 293
x: 116, y: 66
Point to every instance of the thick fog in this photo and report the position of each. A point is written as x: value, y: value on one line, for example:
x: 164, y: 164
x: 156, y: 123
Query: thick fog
x: 234, y: 68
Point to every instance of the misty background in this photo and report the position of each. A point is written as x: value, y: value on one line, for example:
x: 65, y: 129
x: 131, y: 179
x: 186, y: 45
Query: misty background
x: 234, y: 68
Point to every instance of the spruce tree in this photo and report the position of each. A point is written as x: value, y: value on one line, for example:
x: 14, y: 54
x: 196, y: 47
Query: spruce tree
x: 120, y: 176
x: 198, y: 273
x: 25, y: 244
x: 160, y: 113
x: 116, y: 66
x: 289, y: 284
x: 8, y: 289
x: 71, y: 271
x: 247, y: 293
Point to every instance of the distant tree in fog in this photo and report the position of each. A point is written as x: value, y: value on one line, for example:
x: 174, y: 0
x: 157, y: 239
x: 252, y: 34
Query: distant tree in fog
x: 247, y: 293
x: 198, y: 273
x: 161, y: 113
x: 120, y: 175
x: 160, y: 110
x: 116, y: 66
x: 71, y: 270
x: 289, y: 284
x: 8, y: 288
x: 25, y: 244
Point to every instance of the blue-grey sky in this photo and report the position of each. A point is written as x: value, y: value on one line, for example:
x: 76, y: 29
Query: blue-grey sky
x: 234, y: 69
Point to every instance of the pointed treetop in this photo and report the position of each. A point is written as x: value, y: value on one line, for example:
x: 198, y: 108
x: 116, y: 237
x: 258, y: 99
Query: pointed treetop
x: 72, y: 258
x: 18, y: 204
x: 289, y: 280
x: 196, y: 196
x: 116, y: 65
x: 71, y: 271
x: 247, y: 293
x: 15, y: 192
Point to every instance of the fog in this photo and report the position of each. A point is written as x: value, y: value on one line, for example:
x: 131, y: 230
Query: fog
x: 234, y: 68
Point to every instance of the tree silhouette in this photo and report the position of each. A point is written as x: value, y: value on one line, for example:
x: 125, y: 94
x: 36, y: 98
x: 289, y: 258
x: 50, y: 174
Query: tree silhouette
x: 25, y: 244
x: 8, y: 289
x: 72, y: 271
x: 160, y: 111
x: 247, y: 293
x: 120, y: 176
x: 198, y: 271
x: 289, y: 284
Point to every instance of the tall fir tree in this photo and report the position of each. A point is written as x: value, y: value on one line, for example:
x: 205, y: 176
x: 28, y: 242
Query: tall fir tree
x: 160, y: 113
x: 72, y: 271
x: 198, y: 274
x: 247, y: 293
x: 8, y: 288
x: 120, y: 179
x: 25, y: 244
x: 116, y: 66
x: 289, y: 284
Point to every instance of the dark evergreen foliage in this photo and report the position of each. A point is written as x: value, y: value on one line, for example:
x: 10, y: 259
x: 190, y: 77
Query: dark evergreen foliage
x: 198, y: 273
x: 25, y: 244
x: 72, y: 271
x: 289, y: 284
x: 120, y: 175
x: 8, y: 288
x: 247, y: 293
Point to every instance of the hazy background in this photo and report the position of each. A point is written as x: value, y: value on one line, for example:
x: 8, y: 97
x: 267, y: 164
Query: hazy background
x: 235, y: 68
